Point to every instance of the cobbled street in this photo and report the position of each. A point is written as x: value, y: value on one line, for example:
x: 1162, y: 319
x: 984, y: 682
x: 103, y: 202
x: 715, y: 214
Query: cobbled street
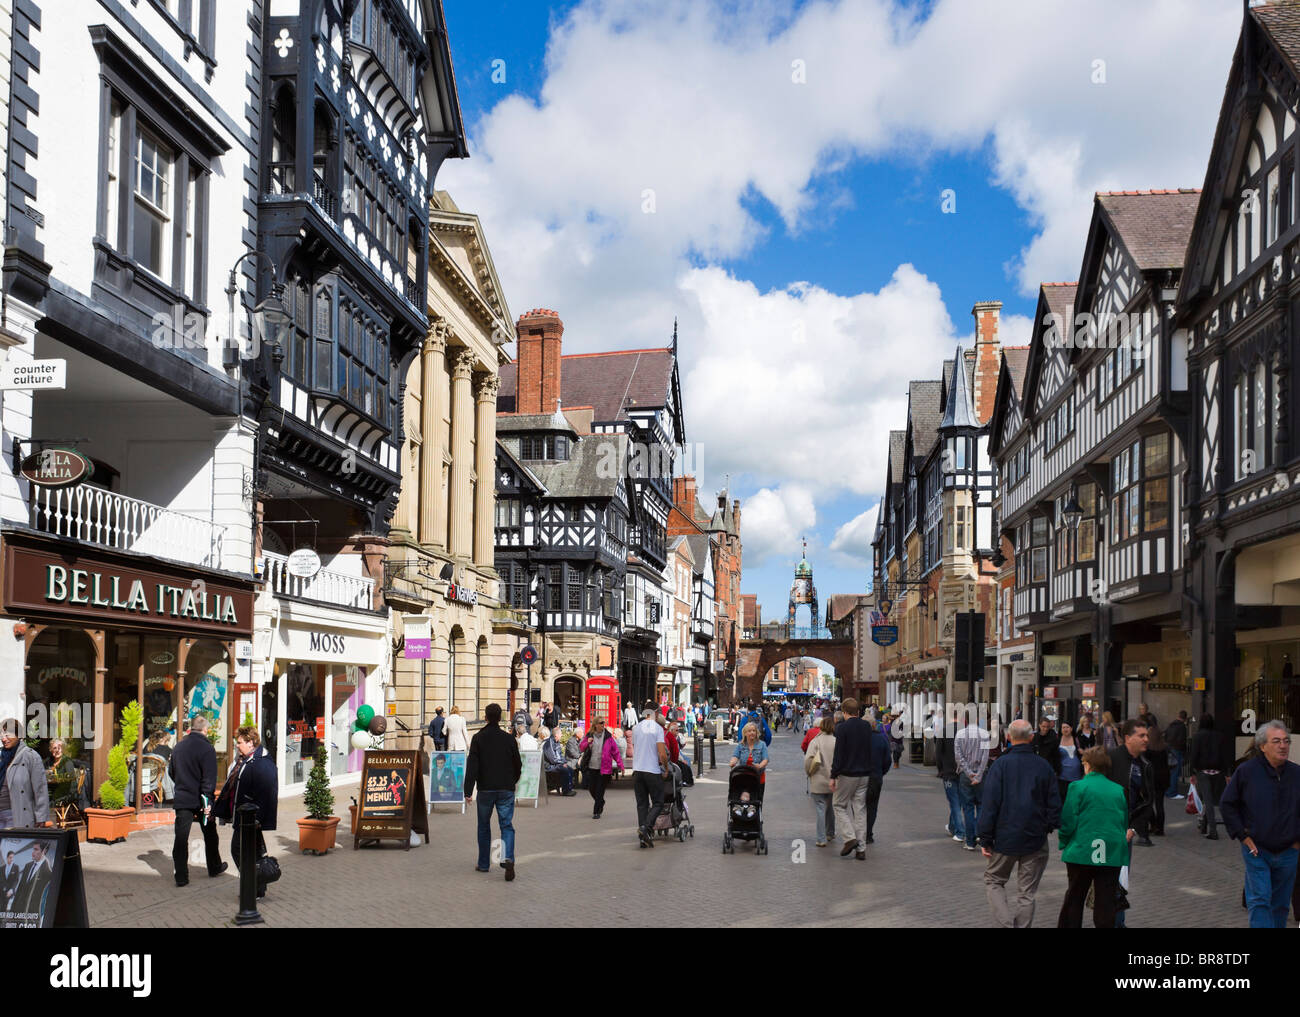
x: 914, y: 874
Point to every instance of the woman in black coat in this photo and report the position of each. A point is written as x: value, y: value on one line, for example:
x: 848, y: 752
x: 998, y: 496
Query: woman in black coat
x: 253, y: 780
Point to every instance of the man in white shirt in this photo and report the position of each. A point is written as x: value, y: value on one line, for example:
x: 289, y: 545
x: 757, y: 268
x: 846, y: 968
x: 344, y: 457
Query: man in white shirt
x: 629, y: 717
x: 971, y: 748
x: 649, y: 768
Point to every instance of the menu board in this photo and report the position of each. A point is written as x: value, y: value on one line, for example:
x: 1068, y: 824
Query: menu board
x: 41, y: 884
x: 392, y: 797
x: 530, y: 777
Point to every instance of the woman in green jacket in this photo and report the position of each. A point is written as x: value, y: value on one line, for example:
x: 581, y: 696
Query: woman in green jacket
x: 1094, y: 842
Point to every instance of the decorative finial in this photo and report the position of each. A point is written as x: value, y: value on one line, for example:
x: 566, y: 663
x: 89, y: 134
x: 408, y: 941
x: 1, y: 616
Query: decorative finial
x: 674, y: 336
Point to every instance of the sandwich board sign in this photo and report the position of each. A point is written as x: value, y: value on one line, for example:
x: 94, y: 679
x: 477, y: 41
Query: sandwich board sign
x: 392, y: 798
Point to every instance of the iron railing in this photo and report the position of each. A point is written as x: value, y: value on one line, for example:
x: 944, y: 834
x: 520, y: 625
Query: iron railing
x: 326, y: 586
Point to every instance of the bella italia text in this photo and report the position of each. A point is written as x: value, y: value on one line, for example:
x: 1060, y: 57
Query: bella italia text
x: 79, y: 586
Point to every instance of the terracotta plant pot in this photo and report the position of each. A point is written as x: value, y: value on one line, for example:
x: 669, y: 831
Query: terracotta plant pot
x: 317, y: 835
x: 108, y: 826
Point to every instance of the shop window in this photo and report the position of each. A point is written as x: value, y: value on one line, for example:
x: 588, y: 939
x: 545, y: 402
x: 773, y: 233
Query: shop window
x: 349, y: 693
x: 60, y: 689
x: 304, y: 709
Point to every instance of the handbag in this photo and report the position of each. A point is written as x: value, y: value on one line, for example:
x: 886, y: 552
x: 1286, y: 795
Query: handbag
x: 812, y: 762
x: 268, y: 870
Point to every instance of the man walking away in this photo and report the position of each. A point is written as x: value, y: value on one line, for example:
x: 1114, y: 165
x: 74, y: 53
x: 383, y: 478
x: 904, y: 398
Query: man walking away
x: 438, y: 730
x: 945, y: 757
x: 1261, y: 808
x: 971, y: 747
x: 1211, y: 761
x: 1176, y: 741
x: 850, y: 776
x: 494, y: 766
x: 1020, y: 806
x: 649, y: 768
x: 193, y: 770
x: 880, y: 760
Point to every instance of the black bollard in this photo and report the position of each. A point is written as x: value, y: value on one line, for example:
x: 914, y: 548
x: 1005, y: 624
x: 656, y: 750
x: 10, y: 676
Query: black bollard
x: 246, y: 817
x: 713, y: 759
x: 699, y: 753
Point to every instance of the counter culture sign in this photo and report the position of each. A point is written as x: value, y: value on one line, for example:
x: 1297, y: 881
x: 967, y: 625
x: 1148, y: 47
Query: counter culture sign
x: 392, y: 798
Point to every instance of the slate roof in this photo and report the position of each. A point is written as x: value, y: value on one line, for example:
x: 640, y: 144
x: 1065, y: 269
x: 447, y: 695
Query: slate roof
x: 1153, y: 225
x: 610, y: 383
x: 515, y: 423
x: 959, y: 412
x: 1282, y: 22
x: 840, y: 606
x: 924, y: 411
x: 586, y: 473
x: 897, y: 439
x: 1017, y: 358
x: 699, y: 544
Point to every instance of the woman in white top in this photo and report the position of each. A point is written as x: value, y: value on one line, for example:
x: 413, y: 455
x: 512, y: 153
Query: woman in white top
x: 525, y: 740
x: 456, y: 732
x: 822, y: 748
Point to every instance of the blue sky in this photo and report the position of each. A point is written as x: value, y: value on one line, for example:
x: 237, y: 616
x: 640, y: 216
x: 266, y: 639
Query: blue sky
x: 796, y: 226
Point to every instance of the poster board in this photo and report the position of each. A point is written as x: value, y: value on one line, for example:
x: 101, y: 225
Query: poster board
x: 530, y: 777
x: 392, y: 798
x: 447, y: 779
x: 42, y: 887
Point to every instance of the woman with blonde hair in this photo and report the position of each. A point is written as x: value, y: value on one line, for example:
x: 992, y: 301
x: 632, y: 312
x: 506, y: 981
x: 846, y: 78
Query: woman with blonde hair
x: 752, y: 752
x: 822, y: 750
x: 456, y: 732
x: 1109, y: 733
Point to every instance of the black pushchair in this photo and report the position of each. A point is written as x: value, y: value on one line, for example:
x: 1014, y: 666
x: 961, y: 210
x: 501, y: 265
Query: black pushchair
x: 675, y: 819
x: 744, y: 810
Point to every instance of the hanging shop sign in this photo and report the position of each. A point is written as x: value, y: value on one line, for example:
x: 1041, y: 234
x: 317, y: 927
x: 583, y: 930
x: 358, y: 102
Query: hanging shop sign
x: 884, y: 635
x: 34, y: 374
x: 56, y: 467
x: 90, y: 587
x: 419, y: 638
x: 303, y: 563
x: 462, y: 595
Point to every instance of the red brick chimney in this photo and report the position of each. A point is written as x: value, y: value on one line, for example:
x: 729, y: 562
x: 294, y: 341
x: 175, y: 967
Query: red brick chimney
x: 684, y: 496
x: 538, y: 334
x: 988, y: 357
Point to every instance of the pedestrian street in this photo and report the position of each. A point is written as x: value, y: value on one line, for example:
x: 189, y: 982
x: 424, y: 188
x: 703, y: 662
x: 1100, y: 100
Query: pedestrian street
x: 914, y: 875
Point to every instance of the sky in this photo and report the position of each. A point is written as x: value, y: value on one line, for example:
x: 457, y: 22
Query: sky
x: 818, y: 192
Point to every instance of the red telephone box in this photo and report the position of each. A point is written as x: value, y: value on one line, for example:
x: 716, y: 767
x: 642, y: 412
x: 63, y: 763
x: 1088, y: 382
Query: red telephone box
x: 603, y: 700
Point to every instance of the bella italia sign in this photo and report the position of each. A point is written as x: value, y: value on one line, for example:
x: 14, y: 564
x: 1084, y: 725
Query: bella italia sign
x: 81, y: 586
x: 103, y: 592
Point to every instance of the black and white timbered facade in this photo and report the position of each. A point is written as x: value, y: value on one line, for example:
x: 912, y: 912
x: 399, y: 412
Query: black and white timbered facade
x: 1237, y: 310
x: 1091, y: 460
x: 359, y: 110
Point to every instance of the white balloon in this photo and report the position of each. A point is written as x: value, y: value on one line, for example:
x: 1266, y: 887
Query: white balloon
x: 360, y: 740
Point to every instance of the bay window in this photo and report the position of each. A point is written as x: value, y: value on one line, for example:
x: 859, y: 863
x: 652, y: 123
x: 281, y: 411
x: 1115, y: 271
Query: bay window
x: 1155, y: 486
x: 1039, y: 540
x: 1086, y: 541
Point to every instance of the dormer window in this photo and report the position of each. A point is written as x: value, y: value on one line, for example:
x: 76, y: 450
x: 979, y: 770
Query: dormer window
x: 549, y: 446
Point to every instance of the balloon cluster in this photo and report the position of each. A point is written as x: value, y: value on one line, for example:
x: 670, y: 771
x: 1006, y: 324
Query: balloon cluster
x: 368, y: 728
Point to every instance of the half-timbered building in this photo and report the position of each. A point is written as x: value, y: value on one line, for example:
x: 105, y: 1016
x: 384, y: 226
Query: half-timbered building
x: 1237, y: 314
x: 1092, y: 462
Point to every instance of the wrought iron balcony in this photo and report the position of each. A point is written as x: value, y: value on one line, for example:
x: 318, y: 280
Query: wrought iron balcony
x: 326, y: 586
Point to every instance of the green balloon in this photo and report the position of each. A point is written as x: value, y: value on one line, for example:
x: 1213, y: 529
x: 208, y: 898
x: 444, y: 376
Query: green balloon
x: 365, y: 714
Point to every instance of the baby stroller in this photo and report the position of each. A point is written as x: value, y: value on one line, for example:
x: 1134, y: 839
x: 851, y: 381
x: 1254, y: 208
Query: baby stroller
x: 744, y: 811
x: 675, y: 817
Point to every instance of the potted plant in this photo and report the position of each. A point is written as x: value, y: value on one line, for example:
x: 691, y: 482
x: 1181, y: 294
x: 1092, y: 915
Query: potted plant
x: 317, y: 829
x: 111, y: 821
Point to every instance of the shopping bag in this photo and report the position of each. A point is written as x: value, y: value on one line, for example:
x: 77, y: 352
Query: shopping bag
x: 1194, y: 806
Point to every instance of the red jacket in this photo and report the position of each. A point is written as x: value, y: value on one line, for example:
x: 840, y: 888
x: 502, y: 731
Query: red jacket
x: 809, y: 735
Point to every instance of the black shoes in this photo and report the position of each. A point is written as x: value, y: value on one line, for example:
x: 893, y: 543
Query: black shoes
x: 1144, y: 842
x: 224, y: 867
x: 848, y: 848
x: 182, y: 882
x: 510, y: 872
x: 870, y: 839
x: 645, y: 837
x: 860, y: 855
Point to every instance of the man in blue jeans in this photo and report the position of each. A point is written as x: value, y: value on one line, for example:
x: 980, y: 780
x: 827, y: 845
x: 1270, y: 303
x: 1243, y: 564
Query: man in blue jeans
x: 971, y: 747
x: 1261, y: 808
x: 946, y: 760
x: 494, y: 765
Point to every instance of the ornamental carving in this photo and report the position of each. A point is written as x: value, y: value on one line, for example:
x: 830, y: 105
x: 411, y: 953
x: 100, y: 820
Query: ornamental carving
x: 435, y: 340
x: 486, y: 387
x: 462, y: 365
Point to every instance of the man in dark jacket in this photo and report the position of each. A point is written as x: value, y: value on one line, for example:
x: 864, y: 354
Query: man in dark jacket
x: 1047, y: 744
x: 1261, y: 808
x: 193, y: 769
x: 1176, y: 742
x: 881, y: 757
x: 494, y: 765
x: 1020, y: 806
x: 438, y: 730
x: 1130, y: 769
x: 1211, y: 761
x: 945, y: 758
x: 851, y: 768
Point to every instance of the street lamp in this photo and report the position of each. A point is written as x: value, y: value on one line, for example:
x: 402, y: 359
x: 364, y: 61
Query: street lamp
x: 269, y: 316
x: 1072, y: 510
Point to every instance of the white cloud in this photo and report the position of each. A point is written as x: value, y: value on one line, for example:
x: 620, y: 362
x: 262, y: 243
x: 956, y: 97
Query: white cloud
x: 852, y: 541
x: 694, y: 101
x: 774, y: 521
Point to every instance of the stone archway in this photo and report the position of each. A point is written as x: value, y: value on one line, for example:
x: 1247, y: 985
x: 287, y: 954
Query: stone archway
x: 756, y: 657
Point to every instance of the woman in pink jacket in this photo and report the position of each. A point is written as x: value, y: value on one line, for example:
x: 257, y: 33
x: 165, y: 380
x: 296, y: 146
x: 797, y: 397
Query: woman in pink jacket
x: 600, y: 755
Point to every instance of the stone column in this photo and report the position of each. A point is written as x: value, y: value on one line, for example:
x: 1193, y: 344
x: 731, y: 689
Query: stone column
x: 462, y: 465
x: 485, y: 442
x: 433, y: 506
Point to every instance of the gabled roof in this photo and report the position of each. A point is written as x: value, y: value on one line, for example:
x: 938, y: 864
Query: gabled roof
x: 586, y: 473
x: 959, y: 411
x: 1266, y: 30
x: 924, y: 413
x: 1016, y: 358
x: 897, y: 439
x: 840, y: 606
x: 612, y: 384
x: 1055, y: 307
x: 1009, y: 393
x: 1154, y: 226
x: 700, y: 554
x: 504, y: 451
